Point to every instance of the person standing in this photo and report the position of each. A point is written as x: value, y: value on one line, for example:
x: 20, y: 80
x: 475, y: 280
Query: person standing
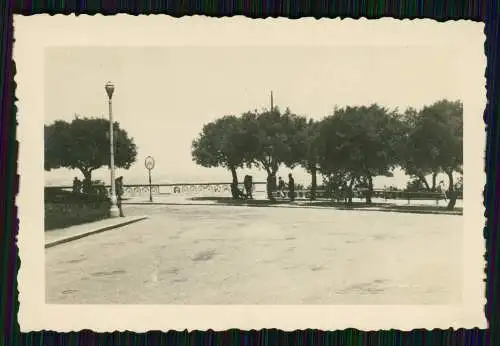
x: 119, y: 194
x: 291, y: 187
x: 248, y: 182
x: 281, y: 187
x: 76, y: 186
x: 270, y: 187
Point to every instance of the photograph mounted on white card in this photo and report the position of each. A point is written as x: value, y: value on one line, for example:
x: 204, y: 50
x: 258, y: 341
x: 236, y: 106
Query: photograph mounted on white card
x: 311, y: 172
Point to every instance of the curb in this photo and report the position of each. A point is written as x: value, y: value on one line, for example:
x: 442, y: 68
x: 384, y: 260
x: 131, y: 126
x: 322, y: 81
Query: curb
x: 168, y: 203
x: 92, y: 232
x: 393, y: 210
x: 414, y: 211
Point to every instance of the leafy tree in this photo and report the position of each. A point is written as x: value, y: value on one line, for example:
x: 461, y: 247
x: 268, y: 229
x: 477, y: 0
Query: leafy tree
x: 274, y: 139
x: 309, y: 155
x: 361, y: 142
x: 435, y: 142
x: 416, y: 162
x: 84, y: 144
x: 222, y: 143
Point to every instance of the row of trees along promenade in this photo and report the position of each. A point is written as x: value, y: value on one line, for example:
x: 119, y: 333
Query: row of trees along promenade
x: 351, y: 145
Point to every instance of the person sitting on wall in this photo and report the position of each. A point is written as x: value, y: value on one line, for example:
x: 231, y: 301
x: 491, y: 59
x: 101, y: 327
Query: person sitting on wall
x: 236, y: 192
x: 441, y: 188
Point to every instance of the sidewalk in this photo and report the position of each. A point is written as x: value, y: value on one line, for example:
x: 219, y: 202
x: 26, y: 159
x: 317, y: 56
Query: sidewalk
x: 64, y: 235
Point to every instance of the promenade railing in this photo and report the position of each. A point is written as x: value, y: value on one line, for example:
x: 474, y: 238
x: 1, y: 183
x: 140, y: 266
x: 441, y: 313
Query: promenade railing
x: 259, y: 188
x: 134, y: 190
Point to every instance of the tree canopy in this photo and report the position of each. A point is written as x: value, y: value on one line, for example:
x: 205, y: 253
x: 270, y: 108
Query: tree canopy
x: 437, y: 136
x: 274, y: 138
x: 415, y: 162
x: 221, y: 143
x: 84, y: 144
x: 361, y: 142
x: 350, y: 147
x: 434, y: 142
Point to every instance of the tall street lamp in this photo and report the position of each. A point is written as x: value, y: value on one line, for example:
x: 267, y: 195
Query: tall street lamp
x: 113, y: 211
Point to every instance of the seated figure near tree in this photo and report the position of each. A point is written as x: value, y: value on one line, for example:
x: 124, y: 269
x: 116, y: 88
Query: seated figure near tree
x: 281, y: 187
x: 236, y: 192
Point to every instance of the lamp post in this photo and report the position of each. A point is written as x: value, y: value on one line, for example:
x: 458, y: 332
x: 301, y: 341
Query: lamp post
x: 149, y: 162
x: 113, y: 211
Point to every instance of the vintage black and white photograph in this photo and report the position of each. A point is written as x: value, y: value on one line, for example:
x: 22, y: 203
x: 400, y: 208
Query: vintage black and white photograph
x: 259, y: 174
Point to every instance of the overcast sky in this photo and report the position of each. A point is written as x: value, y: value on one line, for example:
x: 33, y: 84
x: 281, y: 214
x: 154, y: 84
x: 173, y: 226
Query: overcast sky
x: 164, y: 95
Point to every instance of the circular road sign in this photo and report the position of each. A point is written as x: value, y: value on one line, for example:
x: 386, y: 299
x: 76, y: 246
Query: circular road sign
x: 149, y: 162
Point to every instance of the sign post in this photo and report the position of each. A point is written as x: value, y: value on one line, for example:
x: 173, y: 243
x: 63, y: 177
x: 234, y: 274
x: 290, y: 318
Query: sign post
x: 149, y: 162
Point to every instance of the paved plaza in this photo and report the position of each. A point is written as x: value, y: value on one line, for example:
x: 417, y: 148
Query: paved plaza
x: 195, y: 254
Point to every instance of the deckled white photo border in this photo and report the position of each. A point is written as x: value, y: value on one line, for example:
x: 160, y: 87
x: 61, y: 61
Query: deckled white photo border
x: 34, y: 33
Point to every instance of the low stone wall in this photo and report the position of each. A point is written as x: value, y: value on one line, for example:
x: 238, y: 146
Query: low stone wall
x: 64, y: 209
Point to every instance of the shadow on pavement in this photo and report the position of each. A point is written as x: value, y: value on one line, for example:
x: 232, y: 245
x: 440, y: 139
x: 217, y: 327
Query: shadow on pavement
x: 332, y: 204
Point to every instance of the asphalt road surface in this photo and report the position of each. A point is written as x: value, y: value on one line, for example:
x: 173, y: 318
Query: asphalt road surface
x: 261, y: 255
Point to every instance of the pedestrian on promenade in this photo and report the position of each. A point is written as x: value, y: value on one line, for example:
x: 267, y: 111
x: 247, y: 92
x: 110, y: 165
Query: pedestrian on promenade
x: 281, y: 187
x: 248, y: 183
x: 119, y: 194
x: 291, y: 187
x: 76, y: 185
x: 442, y: 190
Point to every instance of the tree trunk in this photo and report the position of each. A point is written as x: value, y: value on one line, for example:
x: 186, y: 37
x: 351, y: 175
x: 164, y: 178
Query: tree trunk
x: 424, y: 181
x: 369, y: 193
x: 349, y: 191
x: 434, y: 177
x: 271, y: 184
x: 87, y: 181
x: 452, y: 196
x: 234, y: 183
x: 313, y: 182
x: 234, y: 175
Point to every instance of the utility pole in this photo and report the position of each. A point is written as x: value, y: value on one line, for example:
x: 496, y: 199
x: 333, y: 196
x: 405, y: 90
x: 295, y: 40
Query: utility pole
x: 272, y: 104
